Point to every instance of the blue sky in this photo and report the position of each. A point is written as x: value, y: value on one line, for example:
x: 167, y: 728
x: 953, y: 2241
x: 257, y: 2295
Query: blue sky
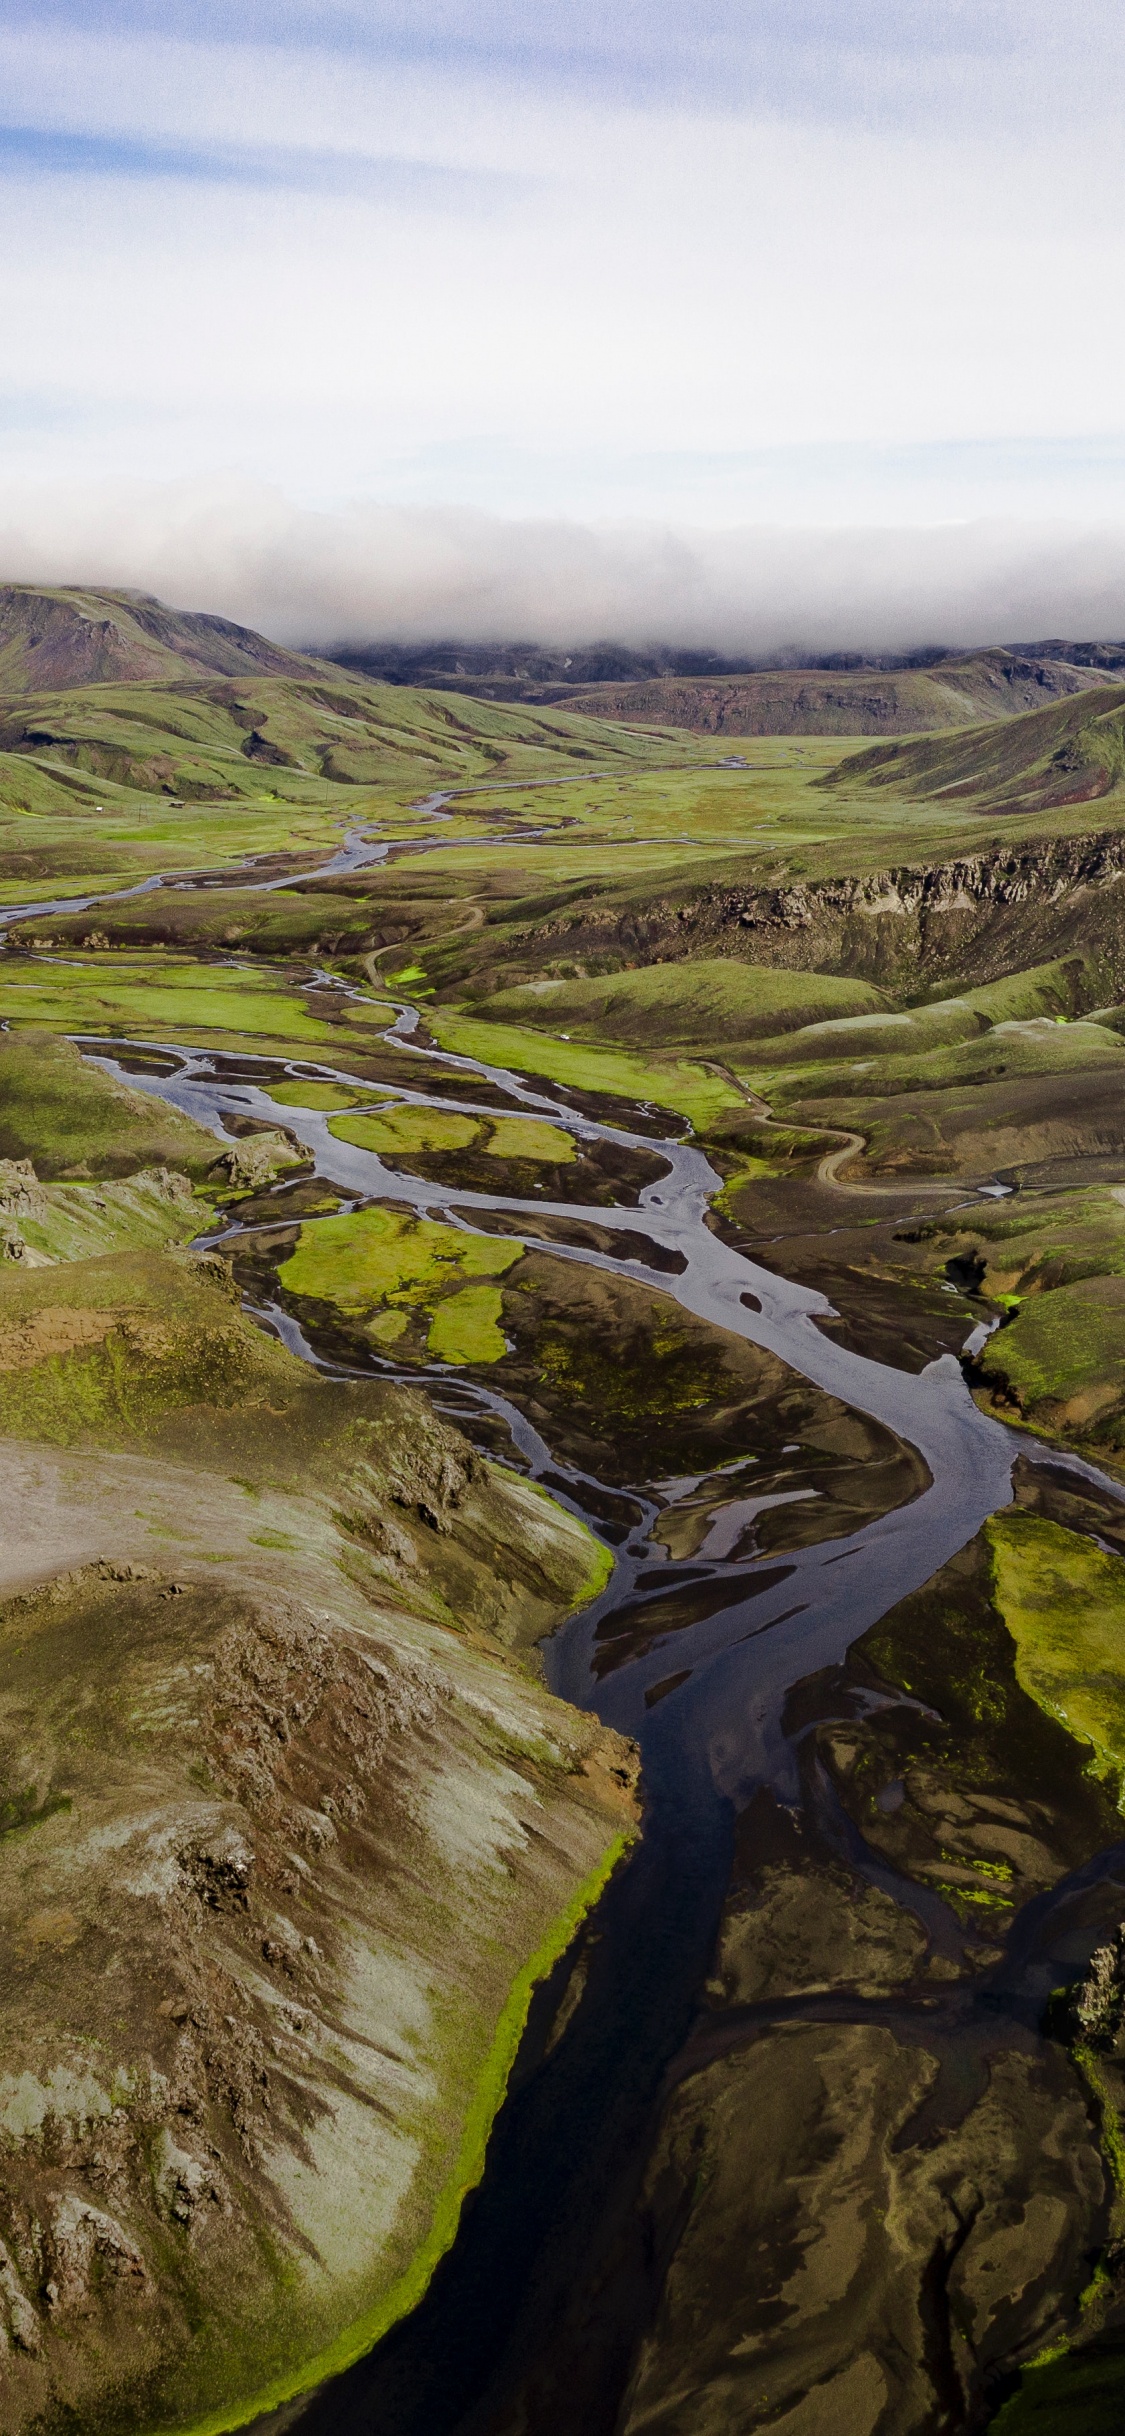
x: 820, y: 265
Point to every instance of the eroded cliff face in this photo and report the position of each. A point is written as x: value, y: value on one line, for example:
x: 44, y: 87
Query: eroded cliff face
x: 285, y: 1832
x: 982, y: 913
x: 1038, y: 874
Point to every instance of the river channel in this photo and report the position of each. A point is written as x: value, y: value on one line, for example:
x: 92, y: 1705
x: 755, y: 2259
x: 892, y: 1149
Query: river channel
x: 531, y: 2321
x: 530, y: 2324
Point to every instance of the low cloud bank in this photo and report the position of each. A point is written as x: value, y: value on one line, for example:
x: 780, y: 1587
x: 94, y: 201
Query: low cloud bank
x: 415, y: 575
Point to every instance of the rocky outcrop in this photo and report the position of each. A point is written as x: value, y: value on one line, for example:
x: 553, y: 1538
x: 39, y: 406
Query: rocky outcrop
x: 257, y: 1159
x: 1039, y: 873
x: 1098, y: 2001
x: 21, y: 1194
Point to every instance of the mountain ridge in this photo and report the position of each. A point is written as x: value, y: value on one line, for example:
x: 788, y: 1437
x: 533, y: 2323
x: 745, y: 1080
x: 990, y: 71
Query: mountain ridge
x: 833, y: 693
x: 63, y: 638
x: 57, y: 637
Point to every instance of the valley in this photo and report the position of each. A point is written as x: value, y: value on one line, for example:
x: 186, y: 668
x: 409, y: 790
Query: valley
x: 554, y: 1866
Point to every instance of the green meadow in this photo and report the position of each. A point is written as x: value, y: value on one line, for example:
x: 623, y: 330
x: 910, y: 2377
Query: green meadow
x: 388, y: 1268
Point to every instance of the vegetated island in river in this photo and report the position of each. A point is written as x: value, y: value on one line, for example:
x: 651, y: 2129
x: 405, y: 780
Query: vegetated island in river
x: 291, y: 1824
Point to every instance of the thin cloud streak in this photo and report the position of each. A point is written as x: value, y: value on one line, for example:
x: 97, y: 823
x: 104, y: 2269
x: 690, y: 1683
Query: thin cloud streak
x: 294, y: 168
x: 422, y: 574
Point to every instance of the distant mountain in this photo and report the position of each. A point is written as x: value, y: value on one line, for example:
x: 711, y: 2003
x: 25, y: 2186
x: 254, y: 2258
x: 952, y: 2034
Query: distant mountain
x: 53, y: 638
x: 962, y: 692
x: 522, y: 672
x: 838, y: 694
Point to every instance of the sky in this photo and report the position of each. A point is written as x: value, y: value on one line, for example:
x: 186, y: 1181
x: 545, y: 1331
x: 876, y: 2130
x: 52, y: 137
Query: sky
x: 754, y: 322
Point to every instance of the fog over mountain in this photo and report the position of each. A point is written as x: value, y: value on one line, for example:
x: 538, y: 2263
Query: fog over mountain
x: 316, y: 578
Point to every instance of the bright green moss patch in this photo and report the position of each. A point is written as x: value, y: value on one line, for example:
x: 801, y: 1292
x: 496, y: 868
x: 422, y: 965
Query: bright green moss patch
x: 390, y: 1257
x: 527, y: 1138
x: 704, y: 1003
x: 387, y: 1327
x: 466, y: 1327
x: 295, y: 1094
x: 407, y: 1129
x: 363, y: 1258
x: 403, y: 1131
x: 695, y: 1094
x: 1063, y: 1601
x: 1065, y: 1350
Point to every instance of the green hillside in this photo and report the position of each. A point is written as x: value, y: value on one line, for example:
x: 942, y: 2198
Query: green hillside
x: 222, y: 738
x: 704, y: 1002
x: 1068, y: 753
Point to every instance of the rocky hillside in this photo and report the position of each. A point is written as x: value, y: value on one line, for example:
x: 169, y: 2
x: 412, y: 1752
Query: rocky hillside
x: 53, y: 637
x: 282, y: 1850
x: 908, y: 926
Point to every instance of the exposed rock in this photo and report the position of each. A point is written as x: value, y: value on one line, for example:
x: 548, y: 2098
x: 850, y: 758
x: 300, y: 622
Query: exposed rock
x: 901, y: 925
x: 15, y: 1246
x: 166, y: 1181
x: 85, y: 2244
x: 182, y: 2181
x: 22, y: 2320
x: 21, y: 1194
x: 1098, y: 2001
x: 258, y: 1159
x: 219, y: 1867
